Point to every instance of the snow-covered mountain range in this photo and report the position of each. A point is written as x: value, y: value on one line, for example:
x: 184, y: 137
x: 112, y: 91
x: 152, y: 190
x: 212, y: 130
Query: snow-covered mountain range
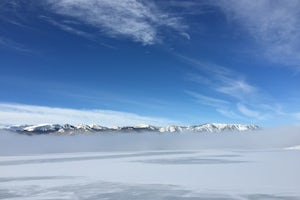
x: 94, y: 128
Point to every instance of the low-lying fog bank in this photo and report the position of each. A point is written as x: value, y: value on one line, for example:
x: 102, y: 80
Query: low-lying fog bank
x: 15, y: 144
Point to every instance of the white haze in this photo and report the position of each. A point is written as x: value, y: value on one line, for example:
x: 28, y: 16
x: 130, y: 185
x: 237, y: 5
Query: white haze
x: 272, y: 138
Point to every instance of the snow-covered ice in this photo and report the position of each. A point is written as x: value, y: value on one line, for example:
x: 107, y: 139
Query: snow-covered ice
x: 149, y: 173
x: 205, y: 174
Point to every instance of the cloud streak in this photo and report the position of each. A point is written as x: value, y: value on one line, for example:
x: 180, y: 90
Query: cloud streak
x: 246, y: 111
x: 235, y: 95
x: 297, y: 115
x: 138, y: 20
x: 13, y: 45
x: 67, y: 28
x: 275, y: 25
x: 229, y: 113
x: 221, y: 79
x: 31, y: 114
x: 206, y: 100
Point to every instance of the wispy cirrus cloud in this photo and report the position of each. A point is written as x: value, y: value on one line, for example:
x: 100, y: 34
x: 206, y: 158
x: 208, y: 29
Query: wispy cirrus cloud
x: 211, y: 101
x: 229, y: 113
x: 232, y: 97
x: 237, y: 88
x: 68, y: 28
x: 140, y: 21
x: 31, y: 114
x: 275, y: 25
x: 220, y: 79
x: 246, y: 111
x: 297, y: 116
x: 13, y: 45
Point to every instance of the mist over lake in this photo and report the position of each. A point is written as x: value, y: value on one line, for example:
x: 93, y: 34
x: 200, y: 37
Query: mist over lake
x: 16, y: 144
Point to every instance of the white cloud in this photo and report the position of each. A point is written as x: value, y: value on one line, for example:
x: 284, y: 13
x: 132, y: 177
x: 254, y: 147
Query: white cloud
x: 246, y: 111
x: 235, y: 93
x: 236, y: 88
x: 207, y: 100
x: 275, y: 25
x: 138, y: 20
x: 229, y: 113
x: 221, y: 79
x: 31, y: 114
x: 67, y: 28
x: 228, y: 84
x: 13, y: 45
x: 297, y: 115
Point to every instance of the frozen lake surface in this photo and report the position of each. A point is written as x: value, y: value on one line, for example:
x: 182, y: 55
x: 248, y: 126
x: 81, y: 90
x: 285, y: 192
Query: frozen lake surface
x: 260, y: 165
x: 166, y: 174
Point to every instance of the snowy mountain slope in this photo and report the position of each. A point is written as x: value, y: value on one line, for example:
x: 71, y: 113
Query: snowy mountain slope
x: 71, y: 129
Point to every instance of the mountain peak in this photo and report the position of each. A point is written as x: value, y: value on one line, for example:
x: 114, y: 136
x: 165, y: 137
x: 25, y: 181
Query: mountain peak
x: 95, y: 128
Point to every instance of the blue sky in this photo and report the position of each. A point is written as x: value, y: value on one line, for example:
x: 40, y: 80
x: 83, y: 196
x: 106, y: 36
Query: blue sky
x: 126, y: 62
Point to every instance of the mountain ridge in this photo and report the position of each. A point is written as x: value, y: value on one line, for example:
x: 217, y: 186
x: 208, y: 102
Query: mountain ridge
x: 69, y: 129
